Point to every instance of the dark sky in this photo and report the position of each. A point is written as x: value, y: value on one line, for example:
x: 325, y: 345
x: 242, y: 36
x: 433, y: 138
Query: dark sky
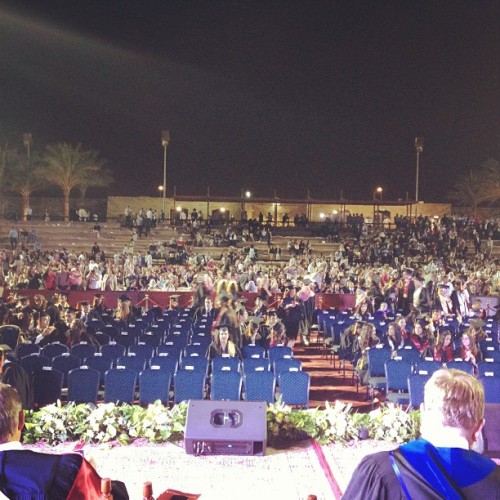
x: 261, y: 95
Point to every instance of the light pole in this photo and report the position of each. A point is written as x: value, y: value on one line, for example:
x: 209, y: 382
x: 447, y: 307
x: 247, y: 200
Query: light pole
x: 419, y: 147
x: 27, y: 141
x: 165, y: 140
x: 379, y: 191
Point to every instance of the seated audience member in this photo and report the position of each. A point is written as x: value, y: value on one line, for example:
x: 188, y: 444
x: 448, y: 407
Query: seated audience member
x: 395, y: 340
x: 468, y: 350
x: 443, y: 350
x: 13, y: 374
x: 29, y: 474
x: 221, y: 345
x: 441, y: 464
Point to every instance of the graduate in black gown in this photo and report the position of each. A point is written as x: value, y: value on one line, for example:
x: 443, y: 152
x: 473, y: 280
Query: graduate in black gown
x: 442, y: 463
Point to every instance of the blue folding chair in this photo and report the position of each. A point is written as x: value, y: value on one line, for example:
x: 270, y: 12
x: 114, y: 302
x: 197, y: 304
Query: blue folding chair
x: 102, y: 338
x: 409, y: 353
x: 226, y: 385
x: 377, y: 357
x: 195, y: 350
x: 65, y: 363
x: 491, y: 386
x: 119, y: 386
x: 113, y: 351
x: 278, y: 352
x: 256, y: 364
x: 253, y: 351
x: 189, y: 385
x: 170, y: 349
x: 428, y: 367
x: 136, y: 363
x: 165, y: 362
x: 461, y: 365
x: 195, y: 364
x: 294, y: 388
x: 488, y: 368
x: 83, y: 385
x: 154, y: 385
x: 397, y: 372
x: 53, y: 350
x: 226, y: 363
x: 153, y: 339
x: 34, y: 362
x: 286, y: 365
x: 83, y: 350
x: 260, y: 386
x: 144, y: 351
x: 126, y: 338
x: 26, y: 350
x: 100, y: 363
x: 416, y: 384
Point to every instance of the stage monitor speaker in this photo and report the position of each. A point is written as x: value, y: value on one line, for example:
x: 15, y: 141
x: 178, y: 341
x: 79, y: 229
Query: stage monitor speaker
x: 226, y: 428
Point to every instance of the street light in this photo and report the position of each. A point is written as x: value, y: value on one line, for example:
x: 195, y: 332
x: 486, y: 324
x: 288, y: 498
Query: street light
x: 378, y: 191
x: 419, y: 147
x: 165, y: 140
x: 160, y: 188
x: 27, y: 141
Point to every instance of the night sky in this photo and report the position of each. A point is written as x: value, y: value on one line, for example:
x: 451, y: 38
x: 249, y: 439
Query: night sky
x: 261, y: 95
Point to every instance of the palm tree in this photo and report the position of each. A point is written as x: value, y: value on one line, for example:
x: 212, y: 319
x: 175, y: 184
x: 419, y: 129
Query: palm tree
x: 480, y: 185
x: 21, y: 176
x: 74, y: 167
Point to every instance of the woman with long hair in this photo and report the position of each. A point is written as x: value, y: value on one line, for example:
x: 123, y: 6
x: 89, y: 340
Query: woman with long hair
x: 222, y: 345
x: 443, y: 350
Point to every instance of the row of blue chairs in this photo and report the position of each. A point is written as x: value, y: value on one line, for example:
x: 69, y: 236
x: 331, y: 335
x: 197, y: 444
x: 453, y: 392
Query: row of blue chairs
x: 120, y: 386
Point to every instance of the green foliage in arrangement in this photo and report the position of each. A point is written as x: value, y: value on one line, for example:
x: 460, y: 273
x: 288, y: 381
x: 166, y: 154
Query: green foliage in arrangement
x: 109, y: 422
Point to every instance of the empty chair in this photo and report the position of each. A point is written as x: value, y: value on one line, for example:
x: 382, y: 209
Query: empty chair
x: 164, y: 362
x: 126, y: 338
x: 112, y: 331
x: 65, y: 363
x: 82, y: 350
x: 26, y: 350
x: 416, y: 384
x: 170, y: 349
x: 489, y: 368
x: 154, y: 385
x: 226, y: 385
x: 119, y: 386
x: 493, y: 354
x: 278, y: 352
x: 397, y: 372
x: 34, y: 362
x: 113, y: 351
x: 144, y: 351
x: 136, y: 363
x: 10, y: 334
x: 53, y: 350
x: 47, y: 386
x: 102, y: 338
x: 294, y: 388
x: 253, y: 351
x: 83, y: 385
x: 376, y: 368
x: 428, y: 366
x: 195, y: 350
x: 154, y: 339
x: 491, y: 386
x: 188, y: 385
x: 100, y: 363
x: 286, y: 364
x: 195, y: 364
x: 461, y: 365
x: 409, y: 353
x: 260, y: 386
x: 226, y: 363
x: 256, y: 364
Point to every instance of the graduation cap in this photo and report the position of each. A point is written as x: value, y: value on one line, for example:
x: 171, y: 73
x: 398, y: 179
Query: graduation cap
x: 477, y: 323
x: 124, y: 298
x: 221, y: 325
x: 256, y: 319
x: 71, y: 310
x: 271, y: 312
x: 84, y: 303
x: 98, y: 295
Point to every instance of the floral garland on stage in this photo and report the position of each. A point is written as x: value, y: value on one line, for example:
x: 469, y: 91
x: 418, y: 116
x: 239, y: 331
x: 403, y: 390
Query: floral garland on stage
x: 106, y: 422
